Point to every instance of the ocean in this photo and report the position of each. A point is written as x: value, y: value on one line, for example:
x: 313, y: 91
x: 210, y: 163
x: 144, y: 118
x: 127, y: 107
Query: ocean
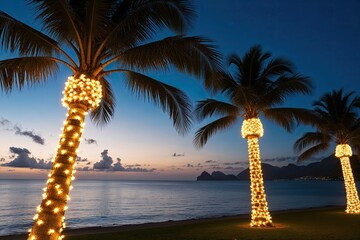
x: 109, y: 203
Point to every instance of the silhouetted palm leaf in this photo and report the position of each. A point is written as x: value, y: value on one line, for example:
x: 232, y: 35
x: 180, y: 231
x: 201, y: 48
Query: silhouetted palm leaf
x: 187, y: 54
x: 336, y: 119
x: 171, y: 99
x: 203, y: 134
x: 90, y: 36
x: 289, y: 117
x: 210, y: 107
x: 13, y: 72
x: 312, y: 151
x: 17, y: 36
x: 105, y: 111
x: 256, y: 84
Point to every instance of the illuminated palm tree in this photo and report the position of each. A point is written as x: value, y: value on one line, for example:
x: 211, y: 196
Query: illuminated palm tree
x: 95, y: 38
x: 336, y: 119
x: 258, y: 83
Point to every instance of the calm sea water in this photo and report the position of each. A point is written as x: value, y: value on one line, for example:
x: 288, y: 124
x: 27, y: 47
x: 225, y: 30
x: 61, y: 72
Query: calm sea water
x: 107, y: 203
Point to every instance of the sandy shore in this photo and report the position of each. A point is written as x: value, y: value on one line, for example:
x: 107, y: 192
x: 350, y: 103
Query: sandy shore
x: 95, y: 230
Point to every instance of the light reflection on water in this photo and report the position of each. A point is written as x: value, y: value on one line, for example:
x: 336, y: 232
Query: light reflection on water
x: 106, y: 203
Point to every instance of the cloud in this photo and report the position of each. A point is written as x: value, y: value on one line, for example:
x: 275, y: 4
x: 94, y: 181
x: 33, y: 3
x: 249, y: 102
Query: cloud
x: 7, y: 125
x: 23, y: 160
x: 2, y: 159
x: 232, y: 163
x: 178, y: 155
x: 217, y: 167
x: 90, y: 141
x: 83, y: 169
x: 234, y: 168
x: 79, y: 159
x: 130, y: 168
x: 106, y: 164
x: 31, y: 134
x: 133, y: 165
x: 210, y: 161
x: 118, y: 166
x: 280, y: 159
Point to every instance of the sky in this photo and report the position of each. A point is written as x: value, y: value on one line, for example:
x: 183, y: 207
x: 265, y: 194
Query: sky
x: 320, y: 37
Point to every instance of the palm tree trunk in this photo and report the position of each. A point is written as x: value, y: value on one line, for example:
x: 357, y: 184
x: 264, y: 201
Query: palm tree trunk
x: 260, y: 215
x: 352, y: 197
x: 49, y: 220
x: 343, y: 151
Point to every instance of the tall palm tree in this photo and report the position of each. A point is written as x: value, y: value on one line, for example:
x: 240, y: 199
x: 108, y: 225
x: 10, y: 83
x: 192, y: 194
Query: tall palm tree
x: 95, y: 38
x: 336, y: 119
x: 257, y: 85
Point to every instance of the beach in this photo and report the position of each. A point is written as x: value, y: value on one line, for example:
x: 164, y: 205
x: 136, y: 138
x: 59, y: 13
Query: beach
x: 310, y: 223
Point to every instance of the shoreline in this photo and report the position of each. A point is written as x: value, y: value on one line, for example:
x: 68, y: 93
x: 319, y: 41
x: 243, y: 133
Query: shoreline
x: 169, y: 223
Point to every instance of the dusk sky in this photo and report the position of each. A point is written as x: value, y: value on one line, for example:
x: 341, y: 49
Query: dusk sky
x: 320, y: 37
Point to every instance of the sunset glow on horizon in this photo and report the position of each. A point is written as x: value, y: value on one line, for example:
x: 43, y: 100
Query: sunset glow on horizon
x: 140, y: 143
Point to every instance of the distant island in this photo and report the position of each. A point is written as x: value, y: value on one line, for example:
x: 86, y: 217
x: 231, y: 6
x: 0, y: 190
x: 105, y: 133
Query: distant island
x: 327, y: 169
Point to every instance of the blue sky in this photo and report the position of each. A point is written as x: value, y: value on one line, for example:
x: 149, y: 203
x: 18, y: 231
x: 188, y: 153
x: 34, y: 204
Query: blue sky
x: 320, y: 37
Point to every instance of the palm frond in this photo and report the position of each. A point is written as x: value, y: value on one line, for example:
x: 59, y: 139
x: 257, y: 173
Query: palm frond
x: 193, y: 55
x: 288, y: 118
x: 277, y: 67
x: 17, y: 36
x: 209, y: 107
x: 59, y: 20
x: 309, y: 139
x: 172, y: 100
x: 285, y: 86
x: 312, y: 151
x: 338, y: 112
x: 239, y: 73
x: 96, y: 19
x: 174, y: 14
x: 252, y: 65
x: 133, y: 22
x: 17, y: 72
x: 204, y: 133
x: 105, y: 112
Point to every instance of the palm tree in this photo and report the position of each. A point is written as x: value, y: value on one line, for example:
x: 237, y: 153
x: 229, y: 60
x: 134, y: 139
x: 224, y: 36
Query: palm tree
x: 258, y: 83
x: 336, y: 119
x: 95, y: 38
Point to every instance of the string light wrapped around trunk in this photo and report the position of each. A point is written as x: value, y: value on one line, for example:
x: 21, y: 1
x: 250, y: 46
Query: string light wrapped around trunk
x: 343, y: 151
x: 252, y: 129
x: 80, y: 95
x: 82, y: 90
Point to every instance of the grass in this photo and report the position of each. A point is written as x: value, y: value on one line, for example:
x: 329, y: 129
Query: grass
x: 323, y: 224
